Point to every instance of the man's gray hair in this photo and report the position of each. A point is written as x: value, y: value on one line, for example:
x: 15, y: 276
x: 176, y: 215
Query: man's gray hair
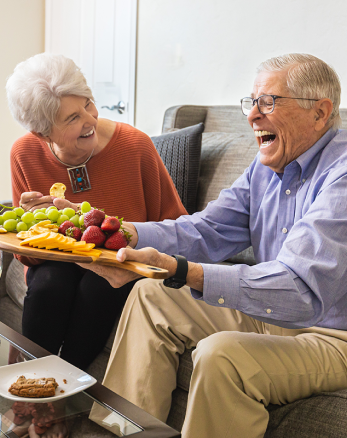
x: 310, y: 77
x: 35, y: 89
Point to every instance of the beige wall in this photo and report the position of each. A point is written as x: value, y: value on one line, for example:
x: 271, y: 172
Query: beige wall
x: 21, y: 36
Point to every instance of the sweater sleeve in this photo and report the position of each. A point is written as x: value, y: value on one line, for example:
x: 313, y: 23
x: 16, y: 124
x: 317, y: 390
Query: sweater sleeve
x: 161, y: 197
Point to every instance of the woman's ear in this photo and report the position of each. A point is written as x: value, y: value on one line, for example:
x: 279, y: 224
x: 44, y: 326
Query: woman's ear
x: 41, y: 137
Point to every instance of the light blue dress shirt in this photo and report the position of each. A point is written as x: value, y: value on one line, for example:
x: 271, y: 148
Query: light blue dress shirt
x: 297, y: 225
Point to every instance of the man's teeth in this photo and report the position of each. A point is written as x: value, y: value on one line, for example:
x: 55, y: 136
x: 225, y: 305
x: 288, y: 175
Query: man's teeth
x: 262, y: 133
x: 88, y: 133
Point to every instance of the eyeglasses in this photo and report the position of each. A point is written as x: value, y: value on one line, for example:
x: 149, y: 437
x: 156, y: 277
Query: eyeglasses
x: 265, y: 103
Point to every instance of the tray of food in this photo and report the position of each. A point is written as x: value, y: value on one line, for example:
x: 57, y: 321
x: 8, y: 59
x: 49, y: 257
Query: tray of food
x: 85, y: 236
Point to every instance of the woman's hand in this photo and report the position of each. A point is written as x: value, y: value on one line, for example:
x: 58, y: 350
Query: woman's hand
x: 64, y: 203
x: 33, y: 200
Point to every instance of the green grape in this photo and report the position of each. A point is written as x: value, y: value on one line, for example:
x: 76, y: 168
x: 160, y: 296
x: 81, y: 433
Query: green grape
x: 62, y: 219
x: 37, y: 211
x: 81, y: 220
x: 40, y: 216
x: 30, y: 224
x: 43, y: 210
x: 19, y: 211
x: 10, y: 214
x: 21, y: 226
x: 69, y: 212
x: 53, y: 215
x: 28, y: 217
x: 1, y: 220
x: 10, y: 224
x: 75, y: 220
x: 85, y: 207
x: 52, y: 207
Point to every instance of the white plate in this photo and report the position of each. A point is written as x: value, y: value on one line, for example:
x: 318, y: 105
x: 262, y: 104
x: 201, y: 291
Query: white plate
x: 49, y: 366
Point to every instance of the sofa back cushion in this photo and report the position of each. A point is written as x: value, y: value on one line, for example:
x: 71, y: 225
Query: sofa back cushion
x: 180, y: 151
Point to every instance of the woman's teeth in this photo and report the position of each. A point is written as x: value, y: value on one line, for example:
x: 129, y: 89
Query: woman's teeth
x: 88, y: 133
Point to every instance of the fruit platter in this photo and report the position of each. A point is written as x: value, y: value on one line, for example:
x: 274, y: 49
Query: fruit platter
x: 84, y: 236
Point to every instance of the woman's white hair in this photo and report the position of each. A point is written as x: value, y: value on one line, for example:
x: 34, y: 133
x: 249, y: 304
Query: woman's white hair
x: 310, y: 77
x: 35, y: 89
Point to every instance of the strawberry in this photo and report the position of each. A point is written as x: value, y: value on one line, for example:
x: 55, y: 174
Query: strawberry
x: 74, y: 232
x: 111, y: 224
x: 94, y: 217
x: 94, y: 234
x: 64, y: 226
x: 118, y: 240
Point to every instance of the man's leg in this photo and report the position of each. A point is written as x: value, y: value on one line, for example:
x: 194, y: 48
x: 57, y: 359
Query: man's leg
x: 237, y: 374
x: 157, y: 324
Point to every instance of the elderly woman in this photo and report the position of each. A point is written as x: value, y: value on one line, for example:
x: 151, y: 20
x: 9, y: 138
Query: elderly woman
x: 68, y: 308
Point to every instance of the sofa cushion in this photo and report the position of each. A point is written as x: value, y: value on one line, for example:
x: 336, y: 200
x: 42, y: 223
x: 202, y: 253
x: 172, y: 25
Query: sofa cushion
x: 180, y: 151
x: 319, y: 416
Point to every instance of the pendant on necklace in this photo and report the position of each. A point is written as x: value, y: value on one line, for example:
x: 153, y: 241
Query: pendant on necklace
x: 79, y: 178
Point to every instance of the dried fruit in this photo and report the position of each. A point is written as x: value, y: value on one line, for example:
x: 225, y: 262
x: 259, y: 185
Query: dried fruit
x: 118, y: 240
x: 94, y: 234
x: 94, y: 217
x: 111, y: 224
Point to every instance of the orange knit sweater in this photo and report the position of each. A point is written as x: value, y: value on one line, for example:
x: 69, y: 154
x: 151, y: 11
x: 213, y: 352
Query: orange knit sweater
x: 128, y: 177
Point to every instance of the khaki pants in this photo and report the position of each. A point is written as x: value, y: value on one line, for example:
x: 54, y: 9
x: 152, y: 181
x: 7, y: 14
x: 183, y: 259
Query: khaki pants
x: 240, y: 364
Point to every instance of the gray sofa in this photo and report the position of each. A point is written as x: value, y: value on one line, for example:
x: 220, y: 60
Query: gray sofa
x: 228, y: 146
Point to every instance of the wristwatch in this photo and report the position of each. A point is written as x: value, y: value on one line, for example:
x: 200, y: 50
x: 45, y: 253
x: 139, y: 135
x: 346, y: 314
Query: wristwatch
x: 179, y: 279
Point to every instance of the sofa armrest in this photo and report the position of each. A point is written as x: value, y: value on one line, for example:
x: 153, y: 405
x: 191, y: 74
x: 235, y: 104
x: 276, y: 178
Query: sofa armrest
x: 182, y: 116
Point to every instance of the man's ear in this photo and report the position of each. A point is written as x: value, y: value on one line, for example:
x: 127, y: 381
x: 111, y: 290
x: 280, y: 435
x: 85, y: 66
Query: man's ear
x: 41, y: 137
x: 323, y: 110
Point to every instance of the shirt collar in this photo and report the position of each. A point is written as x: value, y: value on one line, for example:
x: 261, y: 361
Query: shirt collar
x: 306, y: 159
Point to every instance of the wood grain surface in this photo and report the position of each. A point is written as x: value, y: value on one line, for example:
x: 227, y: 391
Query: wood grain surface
x: 9, y: 242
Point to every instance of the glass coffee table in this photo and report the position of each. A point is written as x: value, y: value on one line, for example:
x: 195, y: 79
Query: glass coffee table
x: 116, y: 416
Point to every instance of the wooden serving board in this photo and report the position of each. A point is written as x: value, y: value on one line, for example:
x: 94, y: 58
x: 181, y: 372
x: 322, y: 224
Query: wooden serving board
x: 9, y: 242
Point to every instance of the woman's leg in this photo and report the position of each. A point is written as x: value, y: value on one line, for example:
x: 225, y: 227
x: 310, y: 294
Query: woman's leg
x: 96, y: 308
x: 47, y: 306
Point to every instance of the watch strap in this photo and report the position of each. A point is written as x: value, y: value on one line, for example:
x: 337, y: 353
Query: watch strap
x: 179, y: 279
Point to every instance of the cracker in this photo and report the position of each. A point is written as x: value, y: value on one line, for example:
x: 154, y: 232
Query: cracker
x: 58, y: 190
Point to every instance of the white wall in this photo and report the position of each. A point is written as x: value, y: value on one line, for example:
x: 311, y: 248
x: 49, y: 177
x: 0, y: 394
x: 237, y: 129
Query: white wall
x: 21, y: 36
x: 206, y: 51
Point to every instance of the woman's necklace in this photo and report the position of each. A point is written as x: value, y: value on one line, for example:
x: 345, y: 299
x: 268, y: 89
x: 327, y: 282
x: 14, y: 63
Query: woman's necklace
x: 78, y: 175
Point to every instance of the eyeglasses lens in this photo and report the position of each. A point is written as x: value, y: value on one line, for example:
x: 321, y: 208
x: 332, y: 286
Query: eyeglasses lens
x: 246, y: 105
x: 266, y: 104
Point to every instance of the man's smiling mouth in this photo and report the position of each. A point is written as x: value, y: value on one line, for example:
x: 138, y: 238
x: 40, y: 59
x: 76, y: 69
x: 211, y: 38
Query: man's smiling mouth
x: 266, y: 137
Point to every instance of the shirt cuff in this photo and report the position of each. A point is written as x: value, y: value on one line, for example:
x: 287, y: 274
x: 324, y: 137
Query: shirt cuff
x: 215, y: 293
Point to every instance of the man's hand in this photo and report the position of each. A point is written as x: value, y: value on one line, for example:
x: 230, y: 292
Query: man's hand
x: 117, y: 277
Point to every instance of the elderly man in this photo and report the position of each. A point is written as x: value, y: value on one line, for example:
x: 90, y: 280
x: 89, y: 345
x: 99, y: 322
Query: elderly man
x: 270, y: 333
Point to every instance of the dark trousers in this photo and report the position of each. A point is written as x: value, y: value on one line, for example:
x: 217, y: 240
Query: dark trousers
x: 71, y: 308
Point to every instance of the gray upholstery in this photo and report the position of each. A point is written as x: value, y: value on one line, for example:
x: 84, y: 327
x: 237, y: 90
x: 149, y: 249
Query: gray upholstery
x: 180, y: 152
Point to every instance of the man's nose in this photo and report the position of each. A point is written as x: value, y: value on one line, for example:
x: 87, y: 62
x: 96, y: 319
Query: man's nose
x: 254, y: 114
